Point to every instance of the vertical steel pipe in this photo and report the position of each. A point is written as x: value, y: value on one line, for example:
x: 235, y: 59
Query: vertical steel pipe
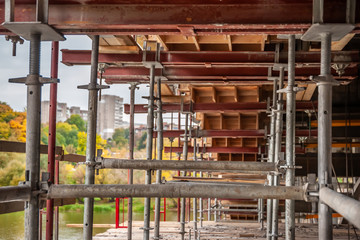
x: 185, y: 156
x: 195, y: 211
x: 56, y: 237
x: 149, y: 148
x: 201, y: 199
x: 290, y: 141
x: 209, y: 209
x: 270, y: 177
x: 277, y: 151
x: 52, y: 138
x: 33, y: 139
x: 324, y: 135
x: 160, y: 144
x: 131, y: 155
x: 91, y: 139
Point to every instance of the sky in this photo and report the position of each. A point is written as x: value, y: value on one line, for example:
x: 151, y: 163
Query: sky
x: 70, y: 77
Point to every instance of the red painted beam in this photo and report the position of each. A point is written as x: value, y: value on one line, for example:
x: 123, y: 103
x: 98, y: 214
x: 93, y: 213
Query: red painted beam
x: 216, y: 149
x: 253, y: 150
x: 199, y: 59
x: 168, y: 17
x: 233, y: 133
x: 218, y: 107
x: 230, y: 75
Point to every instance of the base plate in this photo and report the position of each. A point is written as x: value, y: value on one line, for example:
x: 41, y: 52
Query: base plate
x: 25, y: 29
x: 337, y: 30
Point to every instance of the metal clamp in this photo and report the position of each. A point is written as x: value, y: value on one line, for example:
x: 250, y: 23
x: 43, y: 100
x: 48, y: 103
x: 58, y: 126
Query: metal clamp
x: 92, y: 86
x: 33, y: 79
x: 324, y: 80
x: 311, y: 192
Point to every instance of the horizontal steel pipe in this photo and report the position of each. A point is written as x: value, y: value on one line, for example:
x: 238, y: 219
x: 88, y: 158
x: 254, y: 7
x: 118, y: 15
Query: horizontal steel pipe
x: 187, y: 165
x: 348, y: 207
x: 178, y: 190
x: 15, y: 193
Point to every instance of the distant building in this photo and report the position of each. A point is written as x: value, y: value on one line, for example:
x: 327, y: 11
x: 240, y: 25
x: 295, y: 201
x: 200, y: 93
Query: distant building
x: 110, y: 115
x: 61, y: 112
x: 76, y: 110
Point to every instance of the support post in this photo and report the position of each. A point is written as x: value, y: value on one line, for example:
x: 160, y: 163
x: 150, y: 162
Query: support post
x: 160, y: 144
x: 149, y: 148
x: 201, y: 210
x: 195, y: 199
x: 324, y: 135
x: 277, y: 151
x: 33, y: 139
x: 183, y: 200
x: 131, y: 156
x: 271, y: 160
x: 91, y: 139
x: 290, y: 141
x: 52, y: 138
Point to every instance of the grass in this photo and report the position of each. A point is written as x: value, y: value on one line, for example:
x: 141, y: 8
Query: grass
x: 101, y: 206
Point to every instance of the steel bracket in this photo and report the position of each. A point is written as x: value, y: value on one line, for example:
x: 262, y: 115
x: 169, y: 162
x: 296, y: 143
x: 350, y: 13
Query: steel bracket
x: 93, y: 86
x: 26, y: 29
x: 33, y: 79
x: 288, y: 89
x: 324, y: 80
x: 279, y: 66
x: 337, y: 31
x: 311, y: 193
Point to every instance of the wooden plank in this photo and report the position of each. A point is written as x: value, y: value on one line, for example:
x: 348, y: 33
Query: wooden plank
x: 339, y: 45
x: 9, y: 207
x: 229, y: 42
x: 299, y: 95
x: 195, y: 40
x: 310, y: 89
x: 161, y: 39
x: 74, y: 158
x: 20, y: 147
x: 118, y: 49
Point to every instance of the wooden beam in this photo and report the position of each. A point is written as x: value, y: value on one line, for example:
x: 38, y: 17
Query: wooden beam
x: 229, y: 42
x: 309, y: 91
x: 162, y: 39
x: 340, y: 123
x: 118, y: 49
x: 339, y: 45
x: 196, y: 42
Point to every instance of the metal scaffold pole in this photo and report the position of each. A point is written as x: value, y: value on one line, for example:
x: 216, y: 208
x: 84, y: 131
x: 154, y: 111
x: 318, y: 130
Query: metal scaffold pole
x: 201, y: 210
x: 52, y: 138
x: 160, y: 144
x: 131, y: 155
x: 277, y: 151
x: 196, y: 147
x: 324, y: 134
x: 149, y: 148
x: 91, y: 139
x: 183, y: 200
x: 271, y: 160
x: 290, y: 141
x: 32, y: 176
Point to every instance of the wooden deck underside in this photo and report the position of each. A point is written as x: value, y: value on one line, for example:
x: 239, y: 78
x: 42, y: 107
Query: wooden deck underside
x: 222, y: 230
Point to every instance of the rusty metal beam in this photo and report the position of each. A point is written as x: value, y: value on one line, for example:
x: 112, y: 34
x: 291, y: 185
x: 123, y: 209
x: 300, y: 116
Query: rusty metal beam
x: 165, y: 17
x: 253, y: 150
x: 211, y: 58
x: 232, y: 133
x: 230, y: 74
x: 218, y: 107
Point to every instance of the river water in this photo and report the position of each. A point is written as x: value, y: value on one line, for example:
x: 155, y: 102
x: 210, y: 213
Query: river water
x: 12, y: 224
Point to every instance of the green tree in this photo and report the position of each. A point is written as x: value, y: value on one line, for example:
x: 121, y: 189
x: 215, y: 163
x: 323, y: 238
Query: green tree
x: 142, y: 141
x: 78, y: 122
x: 121, y: 136
x: 4, y: 130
